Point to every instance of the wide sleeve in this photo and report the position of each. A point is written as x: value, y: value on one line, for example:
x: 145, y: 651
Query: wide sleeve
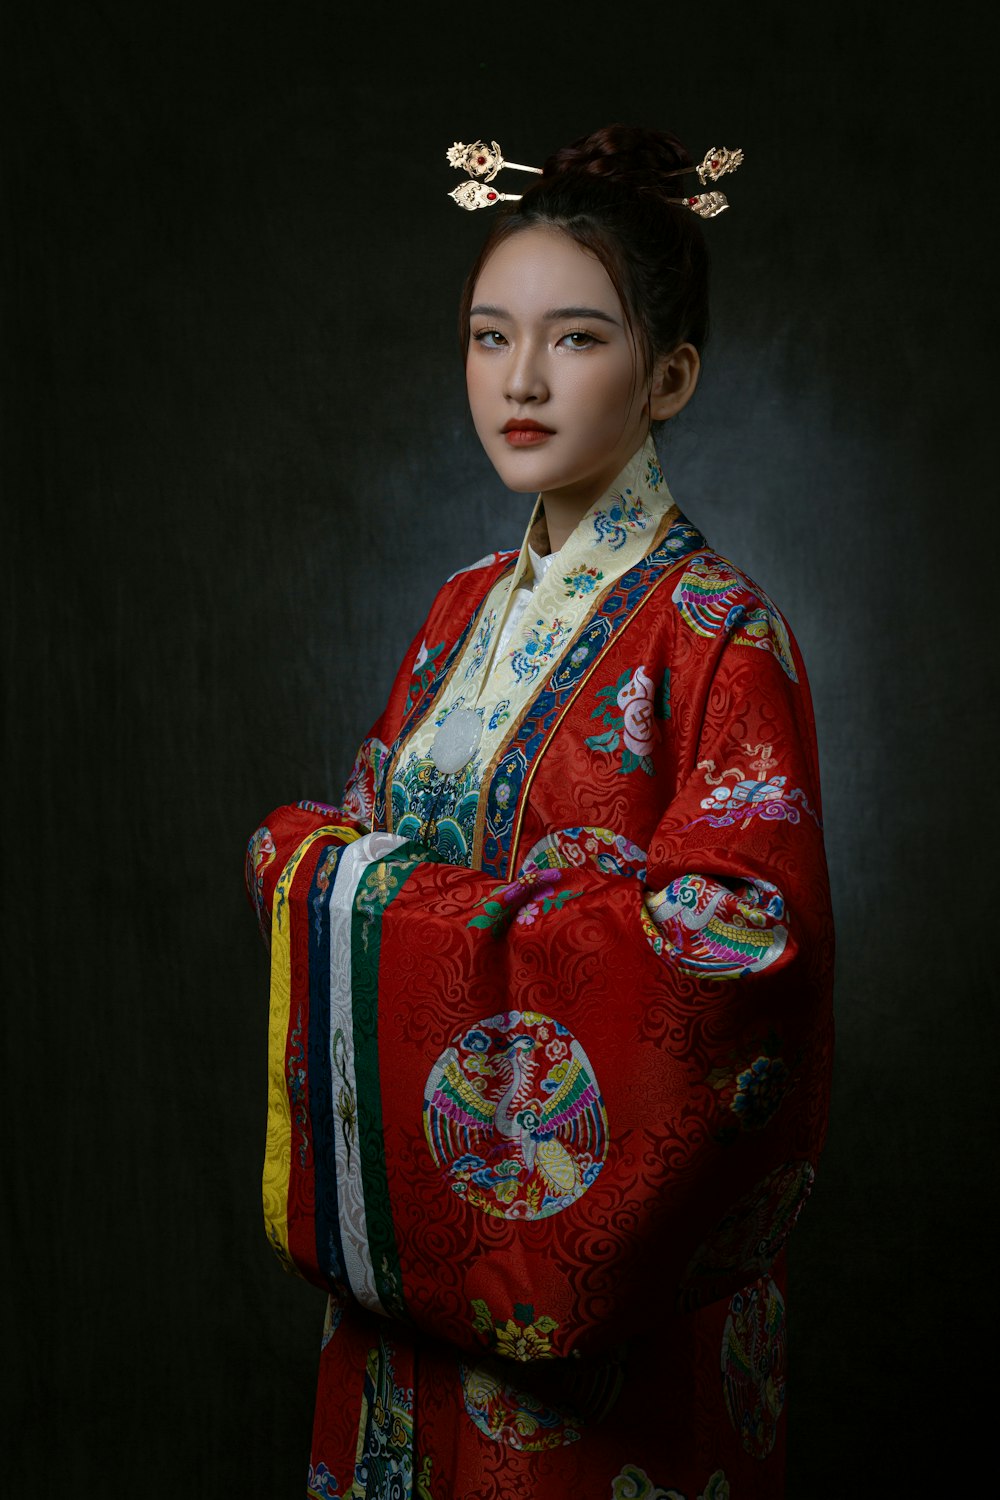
x: 292, y: 830
x: 560, y: 1090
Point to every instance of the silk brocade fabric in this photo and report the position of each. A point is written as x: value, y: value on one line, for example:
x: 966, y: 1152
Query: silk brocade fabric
x: 550, y: 1037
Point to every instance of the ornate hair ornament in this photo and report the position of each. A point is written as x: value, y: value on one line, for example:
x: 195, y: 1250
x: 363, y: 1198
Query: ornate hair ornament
x: 716, y: 163
x: 482, y: 160
x: 485, y: 161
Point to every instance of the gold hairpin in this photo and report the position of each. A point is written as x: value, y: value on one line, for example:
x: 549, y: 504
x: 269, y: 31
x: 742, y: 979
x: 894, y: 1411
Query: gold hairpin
x: 716, y: 164
x: 472, y: 195
x: 483, y: 161
x: 705, y: 205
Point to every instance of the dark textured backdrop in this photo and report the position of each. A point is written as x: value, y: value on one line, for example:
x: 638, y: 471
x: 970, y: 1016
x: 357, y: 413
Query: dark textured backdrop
x: 238, y: 466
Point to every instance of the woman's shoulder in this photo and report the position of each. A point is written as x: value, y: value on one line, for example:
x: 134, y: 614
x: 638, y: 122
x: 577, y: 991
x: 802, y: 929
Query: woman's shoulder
x: 462, y: 593
x: 718, y: 602
x: 493, y: 562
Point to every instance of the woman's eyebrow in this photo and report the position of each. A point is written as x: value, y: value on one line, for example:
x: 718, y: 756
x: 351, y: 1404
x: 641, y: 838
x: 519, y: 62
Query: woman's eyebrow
x: 553, y: 315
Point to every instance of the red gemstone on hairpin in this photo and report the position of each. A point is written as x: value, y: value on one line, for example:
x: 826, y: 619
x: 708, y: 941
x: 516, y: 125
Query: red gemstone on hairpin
x: 480, y: 161
x: 692, y: 200
x: 491, y: 196
x: 715, y: 164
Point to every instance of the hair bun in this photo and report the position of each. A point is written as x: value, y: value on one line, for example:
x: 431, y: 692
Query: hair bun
x: 626, y: 154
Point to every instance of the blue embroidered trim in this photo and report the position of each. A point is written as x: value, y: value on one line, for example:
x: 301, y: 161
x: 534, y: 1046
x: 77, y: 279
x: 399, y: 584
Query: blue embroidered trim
x: 507, y: 785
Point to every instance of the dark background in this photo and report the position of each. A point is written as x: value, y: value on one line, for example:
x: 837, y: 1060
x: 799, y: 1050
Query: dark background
x: 239, y: 464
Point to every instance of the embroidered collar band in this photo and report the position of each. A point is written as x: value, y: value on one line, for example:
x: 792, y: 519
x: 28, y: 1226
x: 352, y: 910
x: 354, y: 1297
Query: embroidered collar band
x: 489, y: 688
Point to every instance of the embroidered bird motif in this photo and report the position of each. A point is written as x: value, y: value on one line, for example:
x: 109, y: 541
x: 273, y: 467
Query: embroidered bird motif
x: 500, y: 1116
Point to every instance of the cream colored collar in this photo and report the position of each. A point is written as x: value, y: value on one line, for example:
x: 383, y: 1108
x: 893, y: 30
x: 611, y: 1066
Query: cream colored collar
x: 618, y: 531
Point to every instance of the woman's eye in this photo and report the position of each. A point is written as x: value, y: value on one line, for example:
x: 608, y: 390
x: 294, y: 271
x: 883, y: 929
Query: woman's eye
x: 490, y: 338
x: 578, y: 339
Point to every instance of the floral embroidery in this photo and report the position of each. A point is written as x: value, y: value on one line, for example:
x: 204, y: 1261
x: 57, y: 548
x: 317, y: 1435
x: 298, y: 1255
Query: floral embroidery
x: 523, y: 1337
x: 515, y: 1342
x: 752, y: 1091
x: 514, y: 1118
x: 481, y: 645
x: 626, y: 513
x: 759, y: 1090
x: 582, y: 580
x: 543, y: 643
x: 425, y: 669
x: 525, y: 899
x: 635, y: 725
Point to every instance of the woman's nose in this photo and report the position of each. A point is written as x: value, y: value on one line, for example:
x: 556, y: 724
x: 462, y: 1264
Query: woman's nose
x: 525, y: 378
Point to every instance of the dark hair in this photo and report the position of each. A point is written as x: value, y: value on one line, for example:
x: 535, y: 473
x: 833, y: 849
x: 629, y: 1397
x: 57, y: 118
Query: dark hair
x: 609, y: 192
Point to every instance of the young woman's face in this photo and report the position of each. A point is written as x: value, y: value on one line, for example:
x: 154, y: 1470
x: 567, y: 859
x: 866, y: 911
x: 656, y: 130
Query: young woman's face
x: 556, y: 385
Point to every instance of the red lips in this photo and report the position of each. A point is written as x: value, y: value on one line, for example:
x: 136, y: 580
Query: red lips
x: 522, y: 432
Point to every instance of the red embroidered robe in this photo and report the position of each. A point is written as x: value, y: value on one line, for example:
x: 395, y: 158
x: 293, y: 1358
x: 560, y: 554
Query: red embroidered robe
x: 549, y: 1058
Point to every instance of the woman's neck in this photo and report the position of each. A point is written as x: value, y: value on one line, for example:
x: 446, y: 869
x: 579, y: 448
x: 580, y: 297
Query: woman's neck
x: 565, y: 509
x: 562, y: 517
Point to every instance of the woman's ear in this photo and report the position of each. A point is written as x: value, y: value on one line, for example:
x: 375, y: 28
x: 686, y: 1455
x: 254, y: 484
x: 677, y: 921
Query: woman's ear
x: 675, y: 376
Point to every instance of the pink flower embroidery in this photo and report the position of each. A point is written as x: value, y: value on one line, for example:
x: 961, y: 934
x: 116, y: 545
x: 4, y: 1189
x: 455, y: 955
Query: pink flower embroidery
x: 636, y: 702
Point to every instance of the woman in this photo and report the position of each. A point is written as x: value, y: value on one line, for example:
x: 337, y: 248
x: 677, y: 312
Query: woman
x: 550, y: 1025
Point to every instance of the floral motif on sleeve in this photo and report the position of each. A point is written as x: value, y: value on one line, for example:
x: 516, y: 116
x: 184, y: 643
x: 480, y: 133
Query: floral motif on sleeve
x: 630, y: 707
x: 530, y: 896
x: 752, y: 1088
